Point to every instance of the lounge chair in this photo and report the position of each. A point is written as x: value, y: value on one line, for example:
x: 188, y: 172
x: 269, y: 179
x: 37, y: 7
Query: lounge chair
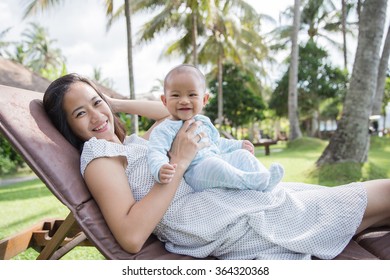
x: 25, y: 124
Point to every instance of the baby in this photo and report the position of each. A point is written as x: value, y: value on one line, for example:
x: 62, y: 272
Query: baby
x: 226, y: 163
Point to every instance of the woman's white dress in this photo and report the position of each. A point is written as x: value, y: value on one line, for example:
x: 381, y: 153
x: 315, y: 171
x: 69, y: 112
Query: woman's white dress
x: 294, y: 221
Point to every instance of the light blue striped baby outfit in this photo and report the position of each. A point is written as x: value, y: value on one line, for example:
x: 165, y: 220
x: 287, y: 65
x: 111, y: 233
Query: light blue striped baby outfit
x: 224, y: 164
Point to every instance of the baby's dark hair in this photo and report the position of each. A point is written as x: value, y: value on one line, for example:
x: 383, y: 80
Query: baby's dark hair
x: 53, y: 105
x: 186, y: 68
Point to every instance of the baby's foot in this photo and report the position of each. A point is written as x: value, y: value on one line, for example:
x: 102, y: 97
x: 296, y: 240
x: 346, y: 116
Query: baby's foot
x: 276, y: 175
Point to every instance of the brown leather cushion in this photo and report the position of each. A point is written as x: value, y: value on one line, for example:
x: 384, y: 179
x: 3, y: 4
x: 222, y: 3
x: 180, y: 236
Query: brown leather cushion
x: 56, y: 162
x: 376, y: 241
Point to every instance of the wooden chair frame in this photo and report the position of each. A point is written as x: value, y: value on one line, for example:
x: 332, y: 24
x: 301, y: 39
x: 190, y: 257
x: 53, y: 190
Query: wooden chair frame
x: 52, y: 238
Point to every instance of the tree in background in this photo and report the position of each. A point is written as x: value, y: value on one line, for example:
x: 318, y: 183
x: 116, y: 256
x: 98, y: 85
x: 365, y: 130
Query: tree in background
x: 3, y: 43
x: 319, y: 83
x: 351, y: 139
x: 112, y: 15
x: 218, y: 31
x: 10, y: 160
x: 33, y: 6
x: 185, y: 17
x: 98, y: 77
x: 233, y: 40
x: 293, y: 114
x: 37, y: 52
x: 378, y: 104
x: 320, y: 21
x: 242, y: 105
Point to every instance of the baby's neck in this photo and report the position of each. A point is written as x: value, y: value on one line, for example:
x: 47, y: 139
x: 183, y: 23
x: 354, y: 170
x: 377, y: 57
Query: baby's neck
x: 178, y: 119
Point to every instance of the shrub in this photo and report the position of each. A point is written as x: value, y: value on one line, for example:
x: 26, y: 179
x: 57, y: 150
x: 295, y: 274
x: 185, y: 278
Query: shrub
x: 10, y: 160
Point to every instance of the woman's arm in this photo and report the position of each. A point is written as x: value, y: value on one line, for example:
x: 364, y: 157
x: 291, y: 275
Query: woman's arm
x: 132, y: 222
x: 154, y: 110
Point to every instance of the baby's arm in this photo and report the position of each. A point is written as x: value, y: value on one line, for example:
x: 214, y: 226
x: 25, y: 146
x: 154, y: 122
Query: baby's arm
x: 166, y: 173
x: 159, y: 144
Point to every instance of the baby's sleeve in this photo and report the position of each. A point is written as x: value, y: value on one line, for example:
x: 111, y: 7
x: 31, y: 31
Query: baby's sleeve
x: 160, y: 141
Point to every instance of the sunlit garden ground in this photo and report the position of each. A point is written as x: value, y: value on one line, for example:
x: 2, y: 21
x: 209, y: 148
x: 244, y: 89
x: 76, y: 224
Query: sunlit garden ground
x: 24, y: 204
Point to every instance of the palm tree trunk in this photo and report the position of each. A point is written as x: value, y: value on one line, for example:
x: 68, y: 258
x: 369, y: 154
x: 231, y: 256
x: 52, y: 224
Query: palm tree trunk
x: 380, y: 87
x: 359, y: 8
x: 344, y: 31
x: 220, y: 92
x: 351, y: 139
x: 295, y: 131
x: 194, y: 38
x: 134, y: 118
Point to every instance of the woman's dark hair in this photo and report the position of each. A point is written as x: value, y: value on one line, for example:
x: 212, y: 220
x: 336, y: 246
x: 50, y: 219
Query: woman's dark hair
x: 53, y: 104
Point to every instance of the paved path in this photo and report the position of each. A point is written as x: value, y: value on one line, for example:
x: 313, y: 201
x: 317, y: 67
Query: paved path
x: 9, y: 181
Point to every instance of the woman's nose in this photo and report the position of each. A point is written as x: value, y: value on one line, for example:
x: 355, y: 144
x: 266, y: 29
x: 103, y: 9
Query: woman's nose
x: 95, y: 116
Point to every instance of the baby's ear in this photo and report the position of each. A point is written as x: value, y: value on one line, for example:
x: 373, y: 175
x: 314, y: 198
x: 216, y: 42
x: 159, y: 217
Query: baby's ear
x: 163, y: 99
x: 206, y: 98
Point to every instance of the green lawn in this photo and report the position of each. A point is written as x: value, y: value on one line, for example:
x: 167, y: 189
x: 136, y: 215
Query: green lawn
x: 300, y: 156
x: 24, y: 204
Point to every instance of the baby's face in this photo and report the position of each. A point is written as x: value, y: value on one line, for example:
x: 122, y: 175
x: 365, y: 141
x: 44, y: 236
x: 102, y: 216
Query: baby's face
x: 184, y: 95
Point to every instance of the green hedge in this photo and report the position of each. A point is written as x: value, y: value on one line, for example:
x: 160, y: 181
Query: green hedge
x: 10, y: 160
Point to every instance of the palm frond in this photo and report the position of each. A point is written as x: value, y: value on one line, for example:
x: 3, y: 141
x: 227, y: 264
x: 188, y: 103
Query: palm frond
x: 34, y: 6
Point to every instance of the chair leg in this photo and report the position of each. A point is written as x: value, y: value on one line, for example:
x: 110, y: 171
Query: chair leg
x: 69, y: 246
x: 57, y: 239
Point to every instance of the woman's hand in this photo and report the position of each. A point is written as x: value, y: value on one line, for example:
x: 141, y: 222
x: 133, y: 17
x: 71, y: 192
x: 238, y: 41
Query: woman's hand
x: 111, y: 102
x: 187, y: 143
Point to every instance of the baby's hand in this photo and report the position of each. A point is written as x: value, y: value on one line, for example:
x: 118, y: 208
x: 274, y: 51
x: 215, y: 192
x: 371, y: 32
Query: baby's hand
x: 247, y: 145
x: 166, y: 173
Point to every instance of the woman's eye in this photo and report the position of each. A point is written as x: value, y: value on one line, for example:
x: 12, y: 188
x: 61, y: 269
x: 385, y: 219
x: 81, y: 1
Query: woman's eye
x: 79, y: 114
x: 97, y: 102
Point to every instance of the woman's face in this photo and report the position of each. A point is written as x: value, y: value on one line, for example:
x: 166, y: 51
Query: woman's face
x: 88, y: 115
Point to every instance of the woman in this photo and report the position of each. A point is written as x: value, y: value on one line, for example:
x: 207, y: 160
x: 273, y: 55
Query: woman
x: 294, y: 221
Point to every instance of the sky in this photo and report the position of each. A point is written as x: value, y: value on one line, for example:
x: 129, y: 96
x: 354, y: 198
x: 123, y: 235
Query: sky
x: 79, y: 28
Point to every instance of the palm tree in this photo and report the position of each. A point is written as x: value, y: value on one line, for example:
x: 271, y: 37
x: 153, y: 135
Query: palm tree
x: 39, y: 49
x: 295, y: 131
x: 19, y: 55
x: 113, y: 15
x: 351, y: 139
x: 344, y: 30
x: 4, y: 44
x: 188, y: 17
x: 37, y: 52
x: 34, y: 5
x: 235, y: 40
x: 134, y: 118
x: 382, y: 71
x: 98, y: 77
x: 211, y: 32
x: 319, y: 20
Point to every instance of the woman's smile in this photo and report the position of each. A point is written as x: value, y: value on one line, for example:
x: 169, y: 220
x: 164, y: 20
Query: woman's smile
x: 102, y: 128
